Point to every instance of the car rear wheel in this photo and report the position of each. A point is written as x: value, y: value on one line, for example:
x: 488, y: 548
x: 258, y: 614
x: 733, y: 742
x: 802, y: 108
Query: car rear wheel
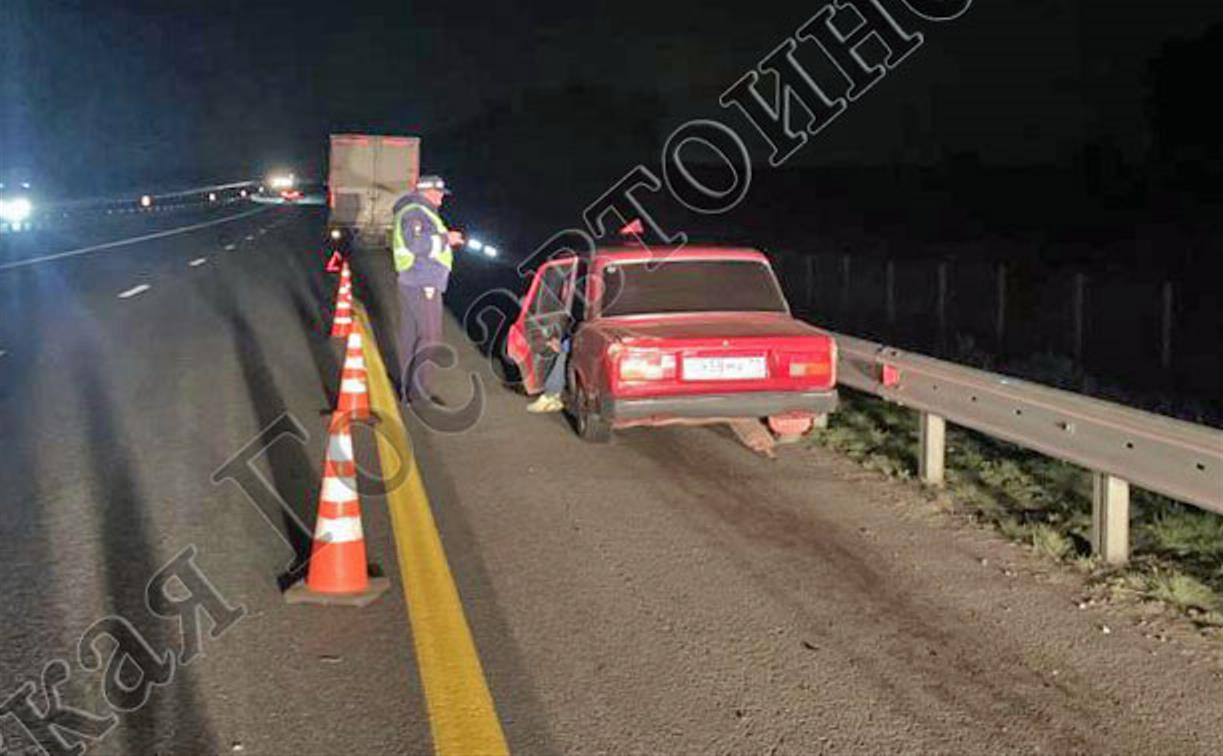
x: 590, y: 425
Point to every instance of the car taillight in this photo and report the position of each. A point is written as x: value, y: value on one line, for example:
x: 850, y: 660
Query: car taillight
x: 817, y: 364
x: 646, y: 366
x: 810, y: 368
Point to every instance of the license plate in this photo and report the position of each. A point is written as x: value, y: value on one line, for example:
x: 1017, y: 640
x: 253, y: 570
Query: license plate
x: 724, y: 368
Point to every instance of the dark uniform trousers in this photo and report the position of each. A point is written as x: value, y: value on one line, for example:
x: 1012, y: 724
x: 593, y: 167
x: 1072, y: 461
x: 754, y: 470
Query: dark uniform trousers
x: 420, y: 334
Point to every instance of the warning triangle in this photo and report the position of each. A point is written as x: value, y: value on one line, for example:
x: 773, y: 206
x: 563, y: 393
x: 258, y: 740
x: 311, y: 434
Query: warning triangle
x: 634, y: 228
x: 335, y: 263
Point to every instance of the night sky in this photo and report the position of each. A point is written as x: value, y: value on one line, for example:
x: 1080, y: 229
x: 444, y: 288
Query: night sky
x: 102, y: 95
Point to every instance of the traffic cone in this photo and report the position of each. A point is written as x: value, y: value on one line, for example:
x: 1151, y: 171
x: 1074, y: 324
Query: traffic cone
x: 353, y: 400
x: 342, y: 326
x: 338, y: 573
x: 345, y: 278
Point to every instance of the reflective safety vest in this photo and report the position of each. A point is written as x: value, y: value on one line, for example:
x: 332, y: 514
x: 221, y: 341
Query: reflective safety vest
x: 404, y: 259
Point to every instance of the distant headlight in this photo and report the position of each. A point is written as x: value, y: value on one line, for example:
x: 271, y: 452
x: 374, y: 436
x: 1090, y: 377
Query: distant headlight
x: 336, y: 234
x: 490, y: 251
x: 282, y: 182
x: 15, y: 210
x: 475, y: 245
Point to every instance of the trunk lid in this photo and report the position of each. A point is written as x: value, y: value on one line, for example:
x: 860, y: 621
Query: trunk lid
x: 718, y: 353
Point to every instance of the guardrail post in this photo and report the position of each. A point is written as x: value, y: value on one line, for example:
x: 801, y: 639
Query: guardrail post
x: 1110, y: 518
x: 930, y: 460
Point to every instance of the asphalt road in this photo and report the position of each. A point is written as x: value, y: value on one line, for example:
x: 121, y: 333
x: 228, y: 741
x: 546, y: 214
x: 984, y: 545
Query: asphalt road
x: 114, y: 415
x: 669, y: 593
x: 675, y: 593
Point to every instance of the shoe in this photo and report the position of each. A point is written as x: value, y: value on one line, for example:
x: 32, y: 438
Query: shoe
x: 546, y: 403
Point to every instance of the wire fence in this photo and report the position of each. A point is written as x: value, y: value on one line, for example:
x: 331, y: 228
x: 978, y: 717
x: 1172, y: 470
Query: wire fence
x: 1156, y: 343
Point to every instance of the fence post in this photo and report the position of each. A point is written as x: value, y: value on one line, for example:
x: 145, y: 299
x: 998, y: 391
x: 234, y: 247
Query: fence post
x: 942, y: 305
x: 1165, y: 354
x: 1080, y: 284
x: 1110, y: 518
x: 933, y: 449
x: 845, y: 284
x: 810, y: 281
x: 890, y: 273
x: 1000, y: 316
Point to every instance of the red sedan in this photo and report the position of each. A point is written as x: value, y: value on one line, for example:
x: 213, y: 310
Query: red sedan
x: 666, y: 335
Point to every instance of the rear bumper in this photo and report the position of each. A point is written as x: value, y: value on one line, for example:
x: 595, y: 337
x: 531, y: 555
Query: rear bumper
x: 710, y: 406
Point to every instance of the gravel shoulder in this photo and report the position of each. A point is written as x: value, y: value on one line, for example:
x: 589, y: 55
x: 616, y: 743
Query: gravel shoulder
x: 673, y: 592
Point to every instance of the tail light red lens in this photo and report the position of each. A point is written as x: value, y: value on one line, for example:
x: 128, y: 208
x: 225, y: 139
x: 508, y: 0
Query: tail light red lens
x: 646, y: 365
x: 807, y: 366
x: 810, y: 368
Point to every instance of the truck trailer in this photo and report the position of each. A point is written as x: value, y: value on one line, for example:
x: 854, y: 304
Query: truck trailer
x: 367, y: 173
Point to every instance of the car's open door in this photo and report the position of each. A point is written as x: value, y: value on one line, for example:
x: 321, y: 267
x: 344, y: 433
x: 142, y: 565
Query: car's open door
x: 546, y: 313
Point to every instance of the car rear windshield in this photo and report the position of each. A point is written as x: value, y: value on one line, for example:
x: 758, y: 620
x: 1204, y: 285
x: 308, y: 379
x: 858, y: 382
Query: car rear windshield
x: 689, y: 286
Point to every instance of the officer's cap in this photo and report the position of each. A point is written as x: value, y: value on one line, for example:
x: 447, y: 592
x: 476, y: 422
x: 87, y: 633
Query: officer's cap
x: 432, y: 182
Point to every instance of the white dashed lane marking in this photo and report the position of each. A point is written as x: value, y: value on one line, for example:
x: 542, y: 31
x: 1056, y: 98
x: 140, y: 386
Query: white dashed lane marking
x: 142, y: 288
x: 197, y: 262
x: 126, y: 242
x: 230, y: 247
x: 250, y: 238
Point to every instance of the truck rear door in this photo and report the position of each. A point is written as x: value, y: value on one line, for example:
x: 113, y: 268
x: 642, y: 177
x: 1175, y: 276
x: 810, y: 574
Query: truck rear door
x: 396, y: 168
x: 350, y: 176
x: 367, y: 174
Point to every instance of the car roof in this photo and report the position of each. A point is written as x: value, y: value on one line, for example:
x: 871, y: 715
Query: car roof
x: 670, y: 253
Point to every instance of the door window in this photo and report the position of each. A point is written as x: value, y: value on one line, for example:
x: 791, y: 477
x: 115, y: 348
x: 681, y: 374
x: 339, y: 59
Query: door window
x: 553, y: 294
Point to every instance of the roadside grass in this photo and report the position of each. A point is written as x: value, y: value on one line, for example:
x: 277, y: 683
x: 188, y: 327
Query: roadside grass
x: 1046, y: 504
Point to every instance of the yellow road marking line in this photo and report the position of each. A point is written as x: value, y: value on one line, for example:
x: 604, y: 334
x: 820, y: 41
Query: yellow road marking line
x: 462, y: 717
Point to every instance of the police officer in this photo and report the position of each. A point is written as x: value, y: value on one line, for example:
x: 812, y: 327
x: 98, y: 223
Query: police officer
x: 421, y: 244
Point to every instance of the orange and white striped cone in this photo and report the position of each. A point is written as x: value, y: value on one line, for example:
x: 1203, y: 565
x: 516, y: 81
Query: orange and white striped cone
x: 353, y: 400
x: 346, y: 291
x: 346, y: 281
x: 338, y: 571
x: 342, y: 326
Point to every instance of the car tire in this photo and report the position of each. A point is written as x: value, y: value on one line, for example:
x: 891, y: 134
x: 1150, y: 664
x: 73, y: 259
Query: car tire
x: 504, y: 367
x: 589, y: 424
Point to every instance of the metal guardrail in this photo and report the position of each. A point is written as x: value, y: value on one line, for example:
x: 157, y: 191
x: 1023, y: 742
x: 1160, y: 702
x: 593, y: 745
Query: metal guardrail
x: 1120, y: 445
x: 47, y: 214
x: 134, y: 197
